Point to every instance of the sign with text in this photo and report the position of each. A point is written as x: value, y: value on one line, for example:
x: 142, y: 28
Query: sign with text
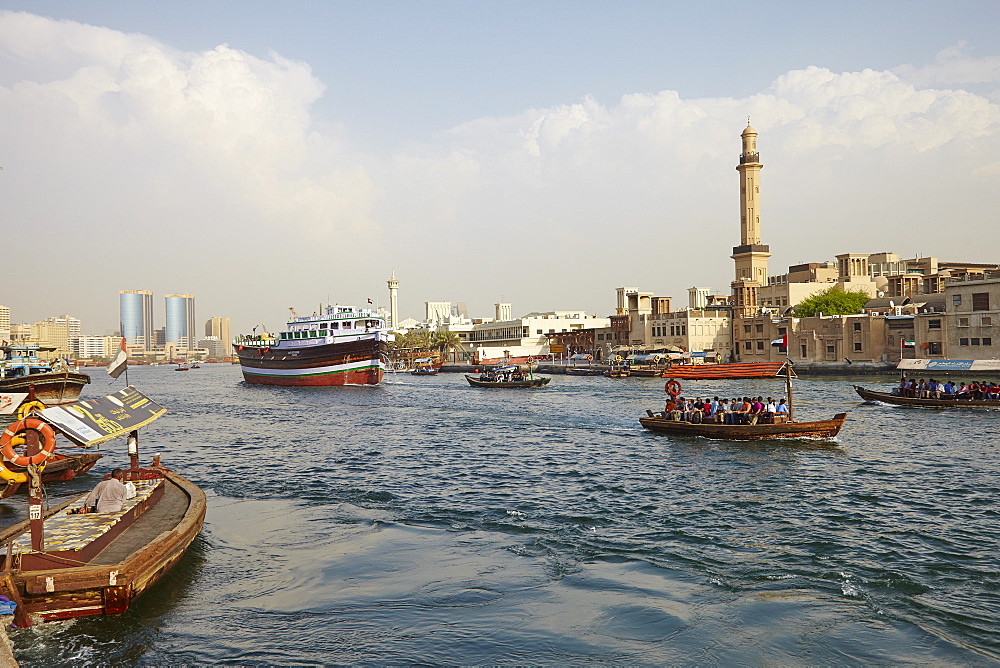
x: 98, y: 420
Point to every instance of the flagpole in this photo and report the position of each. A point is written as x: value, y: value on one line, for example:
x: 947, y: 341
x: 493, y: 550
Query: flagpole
x: 122, y: 326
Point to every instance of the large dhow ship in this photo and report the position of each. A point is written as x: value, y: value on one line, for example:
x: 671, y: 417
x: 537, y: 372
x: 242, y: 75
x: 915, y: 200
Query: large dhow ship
x: 343, y: 345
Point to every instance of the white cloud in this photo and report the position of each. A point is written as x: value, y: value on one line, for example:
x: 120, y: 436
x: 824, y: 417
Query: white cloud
x: 213, y: 169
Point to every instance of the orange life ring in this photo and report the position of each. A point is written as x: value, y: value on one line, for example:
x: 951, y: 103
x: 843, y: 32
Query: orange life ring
x: 672, y: 387
x: 239, y: 347
x: 590, y: 358
x: 48, y: 444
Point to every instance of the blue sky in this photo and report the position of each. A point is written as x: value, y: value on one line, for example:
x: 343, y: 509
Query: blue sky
x: 539, y: 153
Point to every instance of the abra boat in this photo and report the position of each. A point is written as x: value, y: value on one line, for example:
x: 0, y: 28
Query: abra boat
x: 343, y: 345
x: 21, y: 369
x: 423, y: 366
x: 745, y: 432
x: 509, y: 376
x: 734, y: 371
x: 945, y: 401
x: 58, y: 565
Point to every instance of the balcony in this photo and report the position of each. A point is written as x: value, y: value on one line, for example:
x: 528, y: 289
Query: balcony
x: 749, y: 157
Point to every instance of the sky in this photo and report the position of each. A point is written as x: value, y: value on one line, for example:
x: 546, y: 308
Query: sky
x: 263, y: 156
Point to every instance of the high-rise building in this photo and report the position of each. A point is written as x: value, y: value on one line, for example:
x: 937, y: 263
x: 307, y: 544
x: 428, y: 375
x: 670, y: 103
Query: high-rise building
x: 135, y: 308
x: 179, y: 324
x: 5, y: 323
x: 219, y: 328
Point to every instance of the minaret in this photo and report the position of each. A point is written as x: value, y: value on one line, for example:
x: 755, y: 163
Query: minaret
x: 393, y: 312
x: 750, y: 256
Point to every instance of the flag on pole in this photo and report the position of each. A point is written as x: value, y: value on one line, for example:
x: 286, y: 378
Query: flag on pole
x: 781, y: 342
x: 120, y: 361
x: 903, y: 343
x: 369, y: 300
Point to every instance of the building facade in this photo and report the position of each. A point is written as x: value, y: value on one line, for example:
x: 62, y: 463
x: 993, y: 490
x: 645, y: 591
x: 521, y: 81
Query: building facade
x: 219, y: 328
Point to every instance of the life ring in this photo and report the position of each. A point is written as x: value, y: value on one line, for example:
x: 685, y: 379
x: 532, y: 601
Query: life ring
x: 239, y: 347
x: 672, y: 387
x: 17, y: 476
x: 590, y: 358
x: 531, y: 360
x: 48, y: 444
x: 618, y: 358
x: 27, y: 407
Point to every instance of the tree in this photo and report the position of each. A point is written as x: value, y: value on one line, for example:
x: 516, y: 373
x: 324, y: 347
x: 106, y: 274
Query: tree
x: 832, y: 301
x: 446, y: 341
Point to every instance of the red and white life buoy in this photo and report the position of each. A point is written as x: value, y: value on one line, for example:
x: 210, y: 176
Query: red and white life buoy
x: 10, y: 435
x: 673, y: 388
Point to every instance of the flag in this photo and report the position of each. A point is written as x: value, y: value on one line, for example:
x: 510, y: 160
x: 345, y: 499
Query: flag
x: 781, y: 342
x: 369, y: 300
x: 120, y: 361
x: 903, y: 343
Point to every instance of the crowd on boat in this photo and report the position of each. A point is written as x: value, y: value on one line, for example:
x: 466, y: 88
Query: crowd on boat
x: 503, y: 376
x: 737, y: 411
x: 933, y: 389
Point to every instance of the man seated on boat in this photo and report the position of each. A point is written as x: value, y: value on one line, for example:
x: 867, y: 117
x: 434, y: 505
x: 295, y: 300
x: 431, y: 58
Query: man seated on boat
x: 770, y: 407
x: 722, y: 412
x: 949, y: 390
x: 108, y: 496
x: 781, y: 412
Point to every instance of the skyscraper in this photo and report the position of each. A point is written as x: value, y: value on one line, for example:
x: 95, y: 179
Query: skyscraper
x: 135, y: 309
x: 219, y: 328
x: 179, y: 324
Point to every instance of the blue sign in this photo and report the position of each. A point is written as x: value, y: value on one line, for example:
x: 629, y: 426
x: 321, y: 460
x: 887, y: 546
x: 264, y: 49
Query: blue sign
x: 949, y: 365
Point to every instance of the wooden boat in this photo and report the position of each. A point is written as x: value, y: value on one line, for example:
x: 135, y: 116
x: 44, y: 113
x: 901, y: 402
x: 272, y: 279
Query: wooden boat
x: 58, y: 565
x: 584, y: 371
x: 21, y: 370
x: 58, y: 467
x: 508, y: 376
x: 735, y: 371
x: 342, y: 345
x: 787, y: 428
x: 424, y: 366
x: 181, y: 367
x: 945, y: 401
x: 747, y: 432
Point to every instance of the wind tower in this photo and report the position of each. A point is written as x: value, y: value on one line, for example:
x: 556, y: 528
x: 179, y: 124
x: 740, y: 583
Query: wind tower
x: 751, y: 255
x: 393, y: 312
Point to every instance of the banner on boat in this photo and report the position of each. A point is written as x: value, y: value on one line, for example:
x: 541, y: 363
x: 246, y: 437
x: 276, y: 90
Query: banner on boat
x: 949, y: 365
x: 9, y: 401
x: 98, y: 420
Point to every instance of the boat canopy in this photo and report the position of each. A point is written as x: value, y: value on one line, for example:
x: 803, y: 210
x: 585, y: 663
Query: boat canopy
x: 644, y: 359
x: 586, y: 357
x: 94, y: 421
x: 423, y: 360
x: 504, y: 369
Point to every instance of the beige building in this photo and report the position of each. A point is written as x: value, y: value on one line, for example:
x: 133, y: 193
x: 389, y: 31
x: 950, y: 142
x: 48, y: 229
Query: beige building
x: 527, y: 336
x: 219, y: 328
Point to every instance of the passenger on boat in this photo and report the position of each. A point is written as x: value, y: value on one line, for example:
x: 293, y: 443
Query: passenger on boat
x: 698, y: 412
x: 722, y: 412
x: 108, y: 496
x: 769, y: 409
x: 949, y: 389
x: 781, y: 412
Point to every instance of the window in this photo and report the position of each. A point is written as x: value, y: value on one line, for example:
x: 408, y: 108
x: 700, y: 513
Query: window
x: 986, y: 321
x: 857, y: 327
x: 782, y: 331
x: 934, y: 348
x: 987, y: 341
x: 857, y: 346
x: 974, y: 342
x: 760, y: 327
x: 934, y: 324
x: 760, y: 346
x: 963, y: 322
x: 980, y: 301
x: 963, y: 342
x: 803, y: 348
x: 746, y: 329
x: 747, y: 345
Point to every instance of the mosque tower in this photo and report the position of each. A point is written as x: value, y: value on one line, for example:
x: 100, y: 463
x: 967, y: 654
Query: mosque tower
x: 393, y: 308
x: 750, y: 256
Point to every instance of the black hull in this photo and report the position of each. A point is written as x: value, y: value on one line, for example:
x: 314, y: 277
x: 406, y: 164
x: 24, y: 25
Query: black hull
x: 350, y: 363
x: 511, y: 384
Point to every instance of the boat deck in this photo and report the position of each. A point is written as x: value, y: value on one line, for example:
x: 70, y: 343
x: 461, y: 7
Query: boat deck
x: 75, y: 532
x: 166, y: 513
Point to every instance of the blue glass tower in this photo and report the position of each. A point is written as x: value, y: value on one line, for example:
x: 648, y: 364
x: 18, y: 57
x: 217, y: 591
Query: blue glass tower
x: 179, y: 330
x: 135, y: 308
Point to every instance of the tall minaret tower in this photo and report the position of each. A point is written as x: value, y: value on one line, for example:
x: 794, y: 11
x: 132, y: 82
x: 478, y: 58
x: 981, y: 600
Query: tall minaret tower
x: 393, y: 308
x: 750, y: 256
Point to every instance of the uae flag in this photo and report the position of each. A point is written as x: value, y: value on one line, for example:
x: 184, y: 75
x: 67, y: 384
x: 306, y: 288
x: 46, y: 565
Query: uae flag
x: 120, y: 361
x: 903, y: 343
x: 780, y: 342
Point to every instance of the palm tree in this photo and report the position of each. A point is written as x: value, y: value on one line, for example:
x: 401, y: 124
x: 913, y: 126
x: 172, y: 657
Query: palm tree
x: 446, y: 341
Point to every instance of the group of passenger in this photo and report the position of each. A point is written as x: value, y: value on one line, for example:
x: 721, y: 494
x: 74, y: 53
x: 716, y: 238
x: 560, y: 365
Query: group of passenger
x: 740, y: 410
x: 933, y: 389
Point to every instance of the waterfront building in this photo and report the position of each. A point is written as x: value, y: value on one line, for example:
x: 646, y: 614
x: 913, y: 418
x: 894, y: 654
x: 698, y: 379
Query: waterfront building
x: 56, y: 332
x: 214, y: 346
x: 219, y: 328
x: 5, y: 323
x: 965, y: 324
x: 91, y: 347
x: 526, y: 336
x: 179, y: 331
x: 135, y: 308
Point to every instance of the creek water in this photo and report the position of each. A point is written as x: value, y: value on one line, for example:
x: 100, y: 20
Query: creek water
x: 424, y: 521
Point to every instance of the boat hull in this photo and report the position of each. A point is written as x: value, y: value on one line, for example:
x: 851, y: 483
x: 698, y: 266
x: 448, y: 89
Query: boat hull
x: 512, y: 384
x: 735, y: 371
x: 59, y: 467
x: 104, y: 584
x: 885, y: 397
x: 747, y: 432
x: 353, y: 363
x: 52, y: 389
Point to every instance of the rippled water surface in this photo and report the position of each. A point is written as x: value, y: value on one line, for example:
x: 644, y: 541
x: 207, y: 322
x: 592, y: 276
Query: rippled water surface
x: 424, y: 521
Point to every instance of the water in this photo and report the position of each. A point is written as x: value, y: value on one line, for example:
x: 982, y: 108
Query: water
x: 424, y: 521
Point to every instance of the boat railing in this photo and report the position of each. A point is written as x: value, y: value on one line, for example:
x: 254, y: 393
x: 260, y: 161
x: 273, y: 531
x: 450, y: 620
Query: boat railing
x: 255, y: 340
